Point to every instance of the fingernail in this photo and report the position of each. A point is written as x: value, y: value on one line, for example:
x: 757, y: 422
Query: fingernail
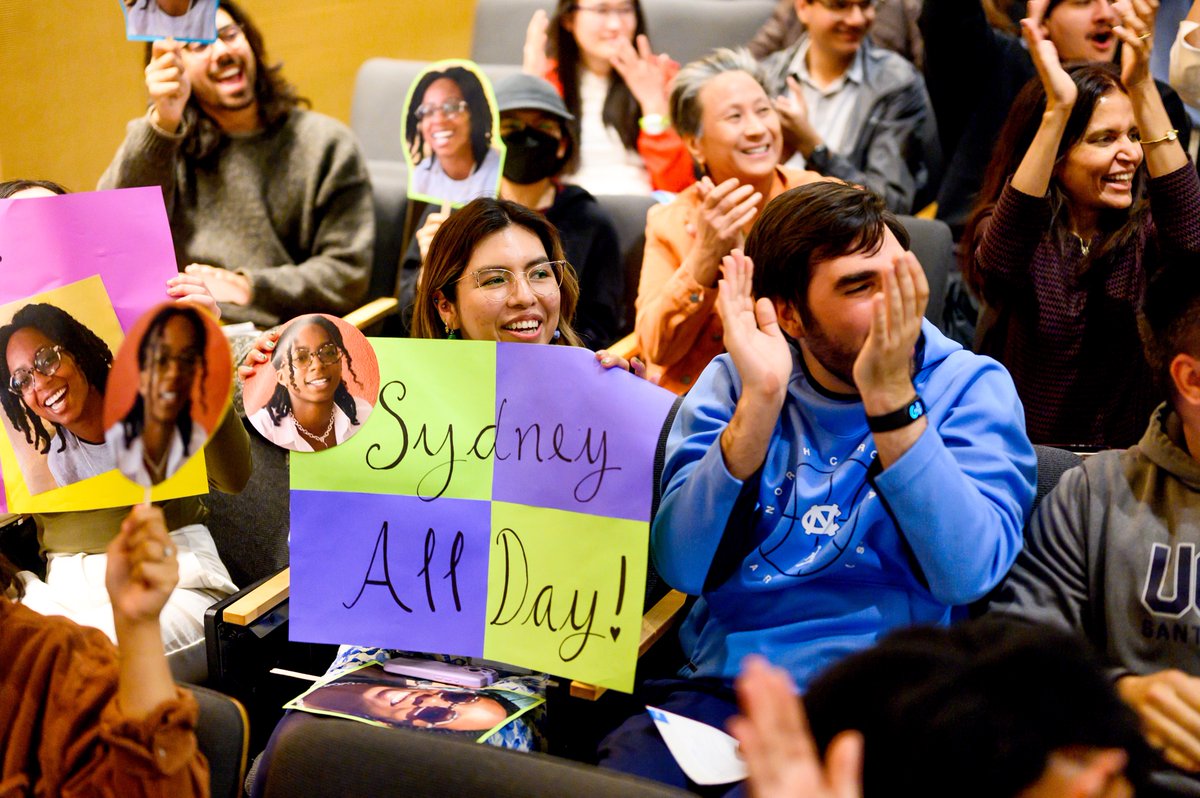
x: 270, y: 344
x: 607, y: 361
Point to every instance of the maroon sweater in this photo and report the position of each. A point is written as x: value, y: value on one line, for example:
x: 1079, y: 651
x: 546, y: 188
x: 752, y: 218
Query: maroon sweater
x: 1071, y: 341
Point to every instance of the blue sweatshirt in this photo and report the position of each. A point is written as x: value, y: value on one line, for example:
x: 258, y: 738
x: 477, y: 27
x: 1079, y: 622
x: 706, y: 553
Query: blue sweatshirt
x: 827, y: 552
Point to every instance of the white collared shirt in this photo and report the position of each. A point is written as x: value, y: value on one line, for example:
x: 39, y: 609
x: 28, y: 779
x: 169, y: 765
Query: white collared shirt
x: 287, y: 436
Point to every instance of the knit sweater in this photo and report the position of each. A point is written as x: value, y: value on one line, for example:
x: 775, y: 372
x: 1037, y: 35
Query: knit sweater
x: 288, y: 206
x: 61, y: 729
x: 1070, y: 339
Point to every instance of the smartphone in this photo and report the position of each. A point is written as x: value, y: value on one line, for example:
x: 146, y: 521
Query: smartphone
x: 445, y: 672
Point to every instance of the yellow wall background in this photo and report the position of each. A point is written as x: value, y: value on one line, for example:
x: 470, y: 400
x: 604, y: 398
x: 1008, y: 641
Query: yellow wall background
x: 69, y: 81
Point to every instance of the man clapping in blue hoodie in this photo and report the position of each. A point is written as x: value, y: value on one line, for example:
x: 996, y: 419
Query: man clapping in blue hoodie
x: 842, y: 471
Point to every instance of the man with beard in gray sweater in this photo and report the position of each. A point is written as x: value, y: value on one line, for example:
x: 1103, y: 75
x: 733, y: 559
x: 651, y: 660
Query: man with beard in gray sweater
x: 269, y: 204
x: 1112, y: 552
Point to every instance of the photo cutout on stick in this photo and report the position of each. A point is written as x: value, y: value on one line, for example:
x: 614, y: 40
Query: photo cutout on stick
x: 318, y: 388
x: 185, y: 20
x: 170, y: 385
x: 57, y: 351
x: 452, y: 135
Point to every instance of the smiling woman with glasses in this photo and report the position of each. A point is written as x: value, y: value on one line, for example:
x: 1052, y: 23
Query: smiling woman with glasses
x: 54, y: 369
x: 449, y: 133
x: 311, y: 408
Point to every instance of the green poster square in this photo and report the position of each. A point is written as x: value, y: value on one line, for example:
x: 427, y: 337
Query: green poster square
x: 565, y: 593
x: 431, y: 433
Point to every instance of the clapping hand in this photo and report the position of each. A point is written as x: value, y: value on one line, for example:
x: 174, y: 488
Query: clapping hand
x: 1060, y: 89
x: 774, y: 739
x: 533, y: 56
x: 1137, y: 32
x: 752, y: 336
x: 883, y: 369
x: 646, y: 74
x: 717, y: 226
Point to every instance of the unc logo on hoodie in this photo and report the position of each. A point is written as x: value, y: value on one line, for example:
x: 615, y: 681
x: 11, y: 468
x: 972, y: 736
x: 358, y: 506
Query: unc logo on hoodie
x: 821, y: 501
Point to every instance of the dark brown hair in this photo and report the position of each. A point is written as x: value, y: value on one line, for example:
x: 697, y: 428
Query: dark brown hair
x: 453, y: 245
x: 1118, y: 227
x: 8, y: 578
x: 1170, y: 317
x: 811, y: 224
x: 621, y: 110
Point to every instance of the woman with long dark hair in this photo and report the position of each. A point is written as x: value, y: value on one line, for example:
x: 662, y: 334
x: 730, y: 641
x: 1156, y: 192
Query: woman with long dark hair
x: 597, y: 54
x: 1089, y: 190
x: 311, y: 408
x: 159, y: 434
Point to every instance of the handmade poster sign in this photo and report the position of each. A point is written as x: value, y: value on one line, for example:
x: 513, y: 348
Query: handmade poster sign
x: 319, y: 387
x: 185, y: 20
x: 451, y: 134
x: 79, y: 270
x: 168, y: 389
x: 483, y: 511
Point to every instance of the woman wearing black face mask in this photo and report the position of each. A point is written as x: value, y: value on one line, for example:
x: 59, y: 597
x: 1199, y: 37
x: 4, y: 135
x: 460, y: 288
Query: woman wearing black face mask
x: 538, y: 133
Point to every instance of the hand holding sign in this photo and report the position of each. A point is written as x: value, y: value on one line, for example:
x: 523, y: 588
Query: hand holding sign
x: 168, y: 85
x: 482, y: 513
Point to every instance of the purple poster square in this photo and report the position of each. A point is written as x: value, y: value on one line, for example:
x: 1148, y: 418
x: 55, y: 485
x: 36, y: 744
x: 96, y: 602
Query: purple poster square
x: 582, y: 440
x: 389, y: 571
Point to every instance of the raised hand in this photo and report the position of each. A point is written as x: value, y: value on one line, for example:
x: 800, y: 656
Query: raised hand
x: 883, y: 369
x: 1061, y: 91
x: 142, y: 567
x: 774, y: 738
x: 724, y: 211
x: 646, y: 74
x: 752, y: 336
x: 794, y: 120
x: 533, y: 56
x: 1137, y: 32
x: 168, y: 84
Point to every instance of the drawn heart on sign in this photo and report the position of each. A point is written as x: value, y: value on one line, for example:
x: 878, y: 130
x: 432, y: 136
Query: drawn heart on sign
x: 615, y: 631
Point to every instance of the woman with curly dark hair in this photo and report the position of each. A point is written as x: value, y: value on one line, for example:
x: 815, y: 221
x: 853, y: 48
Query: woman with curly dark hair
x: 55, y: 369
x: 159, y: 434
x: 311, y: 408
x: 449, y: 134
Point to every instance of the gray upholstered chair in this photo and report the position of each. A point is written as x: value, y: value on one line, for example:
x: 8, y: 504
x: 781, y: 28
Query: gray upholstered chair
x: 223, y: 736
x: 334, y: 757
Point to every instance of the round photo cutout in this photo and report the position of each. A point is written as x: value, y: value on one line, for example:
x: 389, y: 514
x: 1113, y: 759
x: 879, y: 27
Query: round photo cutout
x: 170, y: 384
x: 318, y: 388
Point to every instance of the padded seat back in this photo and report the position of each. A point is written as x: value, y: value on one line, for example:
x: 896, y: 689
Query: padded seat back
x: 319, y: 757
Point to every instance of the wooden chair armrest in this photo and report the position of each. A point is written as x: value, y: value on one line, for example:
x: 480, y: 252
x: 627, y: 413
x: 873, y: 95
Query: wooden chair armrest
x: 374, y: 311
x: 928, y: 212
x: 627, y: 347
x: 657, y: 621
x: 259, y: 601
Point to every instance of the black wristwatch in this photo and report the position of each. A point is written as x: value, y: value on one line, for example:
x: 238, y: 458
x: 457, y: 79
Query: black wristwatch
x: 897, y: 419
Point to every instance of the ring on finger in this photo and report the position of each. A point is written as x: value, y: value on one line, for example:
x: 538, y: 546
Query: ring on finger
x: 1145, y: 36
x: 168, y: 551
